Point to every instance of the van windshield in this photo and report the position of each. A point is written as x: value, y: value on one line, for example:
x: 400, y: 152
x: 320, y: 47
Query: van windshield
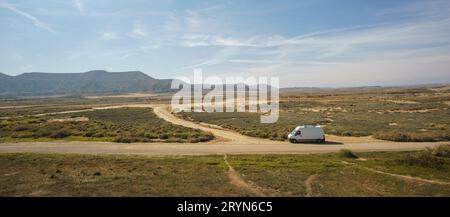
x: 293, y: 132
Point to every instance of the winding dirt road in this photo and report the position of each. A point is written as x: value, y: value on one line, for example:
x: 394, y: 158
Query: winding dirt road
x: 224, y: 135
x: 229, y: 142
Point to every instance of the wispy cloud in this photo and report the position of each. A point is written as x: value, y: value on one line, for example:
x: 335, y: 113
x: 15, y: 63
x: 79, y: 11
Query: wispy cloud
x: 138, y: 31
x: 108, y: 35
x: 406, y: 47
x: 219, y: 57
x: 78, y: 4
x: 30, y: 17
x: 194, y: 21
x: 331, y: 47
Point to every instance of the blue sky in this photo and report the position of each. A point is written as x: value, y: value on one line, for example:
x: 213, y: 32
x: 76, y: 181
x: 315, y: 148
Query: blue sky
x: 305, y: 43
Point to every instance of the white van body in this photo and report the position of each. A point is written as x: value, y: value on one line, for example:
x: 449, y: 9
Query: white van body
x: 307, y: 133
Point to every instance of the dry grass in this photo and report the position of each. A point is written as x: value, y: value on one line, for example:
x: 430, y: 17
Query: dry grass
x: 122, y: 175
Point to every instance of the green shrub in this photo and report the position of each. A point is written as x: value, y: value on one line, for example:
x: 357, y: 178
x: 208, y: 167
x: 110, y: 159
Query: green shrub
x: 21, y: 128
x: 205, y: 138
x: 175, y: 140
x: 347, y: 153
x: 99, y: 135
x: 43, y: 132
x: 346, y: 133
x: 409, y: 136
x: 183, y: 136
x: 151, y: 136
x: 123, y: 139
x: 441, y: 150
x: 22, y: 135
x: 163, y: 136
x: 423, y: 159
x: 60, y: 134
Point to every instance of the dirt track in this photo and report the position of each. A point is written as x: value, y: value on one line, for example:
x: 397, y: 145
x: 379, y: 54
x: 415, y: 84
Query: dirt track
x: 224, y: 135
x: 228, y: 143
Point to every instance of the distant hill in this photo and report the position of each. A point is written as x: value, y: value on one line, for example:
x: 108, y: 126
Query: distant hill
x: 99, y: 81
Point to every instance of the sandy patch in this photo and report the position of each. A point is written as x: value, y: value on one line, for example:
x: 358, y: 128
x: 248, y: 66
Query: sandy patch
x: 15, y: 106
x: 308, y: 184
x: 438, y: 89
x: 61, y: 120
x: 325, y: 109
x: 402, y: 101
x: 403, y: 111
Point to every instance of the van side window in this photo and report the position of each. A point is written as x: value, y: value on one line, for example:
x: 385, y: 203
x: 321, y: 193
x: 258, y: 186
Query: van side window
x: 298, y: 133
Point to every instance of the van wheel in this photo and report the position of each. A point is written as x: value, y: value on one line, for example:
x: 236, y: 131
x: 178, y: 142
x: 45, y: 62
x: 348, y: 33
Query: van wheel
x: 293, y: 141
x: 322, y: 141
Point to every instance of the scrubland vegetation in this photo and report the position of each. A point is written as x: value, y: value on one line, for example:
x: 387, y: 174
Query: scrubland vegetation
x: 409, y: 115
x: 119, y: 125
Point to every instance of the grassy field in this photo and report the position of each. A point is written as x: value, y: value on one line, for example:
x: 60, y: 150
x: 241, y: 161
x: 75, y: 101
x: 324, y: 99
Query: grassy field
x: 118, y: 125
x: 86, y: 175
x: 337, y: 174
x: 420, y: 114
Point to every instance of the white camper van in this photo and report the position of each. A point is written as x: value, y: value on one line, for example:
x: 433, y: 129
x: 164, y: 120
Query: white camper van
x: 307, y: 133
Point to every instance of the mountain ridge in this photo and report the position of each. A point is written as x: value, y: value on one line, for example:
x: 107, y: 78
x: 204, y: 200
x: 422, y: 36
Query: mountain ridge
x: 94, y: 81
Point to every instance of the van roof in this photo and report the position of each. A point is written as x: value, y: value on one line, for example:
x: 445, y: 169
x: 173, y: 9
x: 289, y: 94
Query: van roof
x: 307, y: 126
